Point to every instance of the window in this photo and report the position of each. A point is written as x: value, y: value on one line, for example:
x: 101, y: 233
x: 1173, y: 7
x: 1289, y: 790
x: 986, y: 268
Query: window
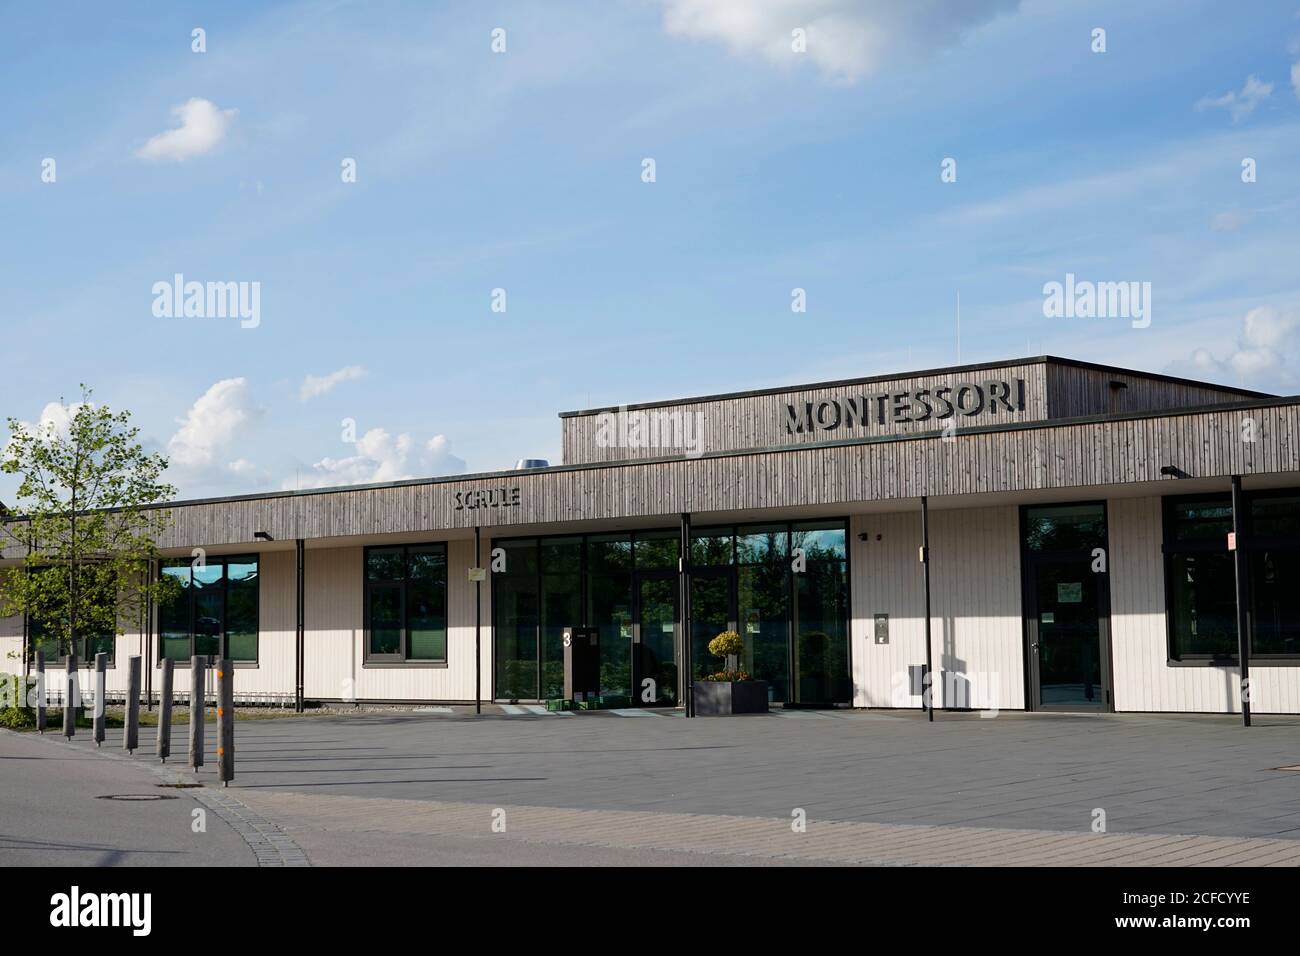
x: 55, y: 649
x: 1200, y: 574
x: 1065, y: 527
x: 213, y: 611
x: 624, y: 585
x: 406, y: 604
x: 97, y: 612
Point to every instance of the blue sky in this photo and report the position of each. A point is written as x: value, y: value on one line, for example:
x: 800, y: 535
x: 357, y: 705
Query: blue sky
x: 522, y: 171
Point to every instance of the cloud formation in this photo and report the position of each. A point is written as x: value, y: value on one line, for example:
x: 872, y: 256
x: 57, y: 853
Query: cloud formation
x: 210, y: 427
x: 1265, y: 351
x: 1240, y: 104
x: 202, y: 128
x: 383, y: 457
x: 846, y: 39
x: 313, y: 386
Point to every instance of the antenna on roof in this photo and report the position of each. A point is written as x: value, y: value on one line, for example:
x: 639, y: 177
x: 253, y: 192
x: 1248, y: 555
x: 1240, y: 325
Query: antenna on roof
x: 958, y: 328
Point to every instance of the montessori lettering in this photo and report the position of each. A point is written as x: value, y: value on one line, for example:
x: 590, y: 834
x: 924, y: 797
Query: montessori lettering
x: 897, y: 406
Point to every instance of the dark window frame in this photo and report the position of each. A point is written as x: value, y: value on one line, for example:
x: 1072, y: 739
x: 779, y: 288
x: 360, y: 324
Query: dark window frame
x: 61, y: 660
x: 401, y: 658
x: 1171, y: 547
x: 223, y: 643
x: 685, y: 565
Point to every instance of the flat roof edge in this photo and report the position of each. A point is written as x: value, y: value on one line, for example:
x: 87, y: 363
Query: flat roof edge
x: 1265, y: 402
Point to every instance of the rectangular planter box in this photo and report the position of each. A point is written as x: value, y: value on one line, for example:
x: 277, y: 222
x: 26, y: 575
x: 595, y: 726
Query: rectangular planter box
x: 719, y: 698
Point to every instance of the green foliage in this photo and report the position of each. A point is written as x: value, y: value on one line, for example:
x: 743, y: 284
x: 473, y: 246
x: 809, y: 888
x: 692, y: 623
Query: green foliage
x: 728, y: 642
x: 84, y: 522
x: 728, y: 677
x: 14, y: 712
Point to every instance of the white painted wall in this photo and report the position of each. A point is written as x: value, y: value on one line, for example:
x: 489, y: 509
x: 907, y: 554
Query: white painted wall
x: 975, y: 606
x: 1144, y: 681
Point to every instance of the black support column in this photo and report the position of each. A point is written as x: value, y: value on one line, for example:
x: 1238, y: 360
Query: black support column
x: 687, y: 680
x: 925, y: 576
x: 478, y: 624
x: 1243, y: 608
x: 300, y: 644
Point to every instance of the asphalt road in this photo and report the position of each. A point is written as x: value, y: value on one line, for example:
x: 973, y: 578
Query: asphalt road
x: 52, y: 814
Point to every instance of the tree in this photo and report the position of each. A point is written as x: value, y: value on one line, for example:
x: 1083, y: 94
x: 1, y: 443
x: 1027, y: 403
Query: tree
x: 84, y: 521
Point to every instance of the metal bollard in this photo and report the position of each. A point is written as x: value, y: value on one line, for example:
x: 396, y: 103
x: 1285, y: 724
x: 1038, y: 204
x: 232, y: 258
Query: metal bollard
x: 131, y: 739
x: 197, y: 675
x: 70, y: 694
x: 40, y: 691
x: 165, y: 711
x: 226, y: 722
x: 101, y: 672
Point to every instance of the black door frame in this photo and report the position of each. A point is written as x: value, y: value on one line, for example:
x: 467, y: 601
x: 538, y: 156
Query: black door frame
x: 634, y: 649
x: 722, y: 572
x: 1029, y: 562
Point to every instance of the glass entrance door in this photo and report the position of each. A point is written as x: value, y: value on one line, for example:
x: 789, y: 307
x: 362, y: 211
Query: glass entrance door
x: 713, y: 610
x: 654, y: 640
x: 1067, y: 634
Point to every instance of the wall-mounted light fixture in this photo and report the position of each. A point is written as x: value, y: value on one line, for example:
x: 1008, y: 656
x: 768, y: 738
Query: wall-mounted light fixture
x: 1174, y: 471
x: 262, y: 536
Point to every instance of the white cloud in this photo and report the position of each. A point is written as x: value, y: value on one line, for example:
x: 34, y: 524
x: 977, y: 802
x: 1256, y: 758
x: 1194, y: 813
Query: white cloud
x: 847, y: 39
x: 1243, y: 103
x: 55, y: 422
x: 382, y: 457
x: 1230, y: 220
x: 202, y: 128
x: 313, y: 386
x: 1265, y: 351
x: 211, y: 426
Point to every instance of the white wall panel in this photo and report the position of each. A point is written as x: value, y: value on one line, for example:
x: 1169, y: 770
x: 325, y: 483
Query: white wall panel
x: 975, y: 606
x: 1144, y: 680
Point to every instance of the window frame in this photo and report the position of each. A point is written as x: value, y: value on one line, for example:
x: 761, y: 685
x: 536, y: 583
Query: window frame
x: 686, y: 566
x: 61, y: 660
x: 1170, y: 547
x: 223, y: 643
x: 400, y: 659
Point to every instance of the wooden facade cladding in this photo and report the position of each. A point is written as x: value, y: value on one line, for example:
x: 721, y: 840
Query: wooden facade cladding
x: 1074, y: 391
x: 1007, y: 459
x: 759, y: 419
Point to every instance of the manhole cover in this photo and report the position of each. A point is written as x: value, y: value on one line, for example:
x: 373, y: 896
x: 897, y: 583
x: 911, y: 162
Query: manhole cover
x: 136, y: 796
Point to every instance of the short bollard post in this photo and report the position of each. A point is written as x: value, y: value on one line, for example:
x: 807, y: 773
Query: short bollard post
x: 40, y: 691
x: 131, y: 739
x: 196, y: 711
x: 101, y: 672
x: 226, y: 722
x: 70, y: 695
x: 165, y: 711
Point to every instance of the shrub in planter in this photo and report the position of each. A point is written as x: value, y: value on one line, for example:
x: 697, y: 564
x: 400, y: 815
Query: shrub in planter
x: 732, y: 690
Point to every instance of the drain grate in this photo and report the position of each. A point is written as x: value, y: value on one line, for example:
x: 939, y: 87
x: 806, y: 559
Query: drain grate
x: 129, y: 797
x: 182, y: 786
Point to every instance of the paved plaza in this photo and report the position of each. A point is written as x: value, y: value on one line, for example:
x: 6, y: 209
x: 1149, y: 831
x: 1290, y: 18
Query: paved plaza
x: 519, y: 786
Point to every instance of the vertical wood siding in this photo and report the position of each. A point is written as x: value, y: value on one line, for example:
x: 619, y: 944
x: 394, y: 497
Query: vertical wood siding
x: 759, y: 421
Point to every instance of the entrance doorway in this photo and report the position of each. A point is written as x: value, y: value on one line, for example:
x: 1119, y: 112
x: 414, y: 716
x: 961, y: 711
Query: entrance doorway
x: 1067, y: 608
x: 654, y: 651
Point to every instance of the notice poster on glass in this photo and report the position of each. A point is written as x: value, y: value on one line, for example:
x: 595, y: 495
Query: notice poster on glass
x: 1071, y: 593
